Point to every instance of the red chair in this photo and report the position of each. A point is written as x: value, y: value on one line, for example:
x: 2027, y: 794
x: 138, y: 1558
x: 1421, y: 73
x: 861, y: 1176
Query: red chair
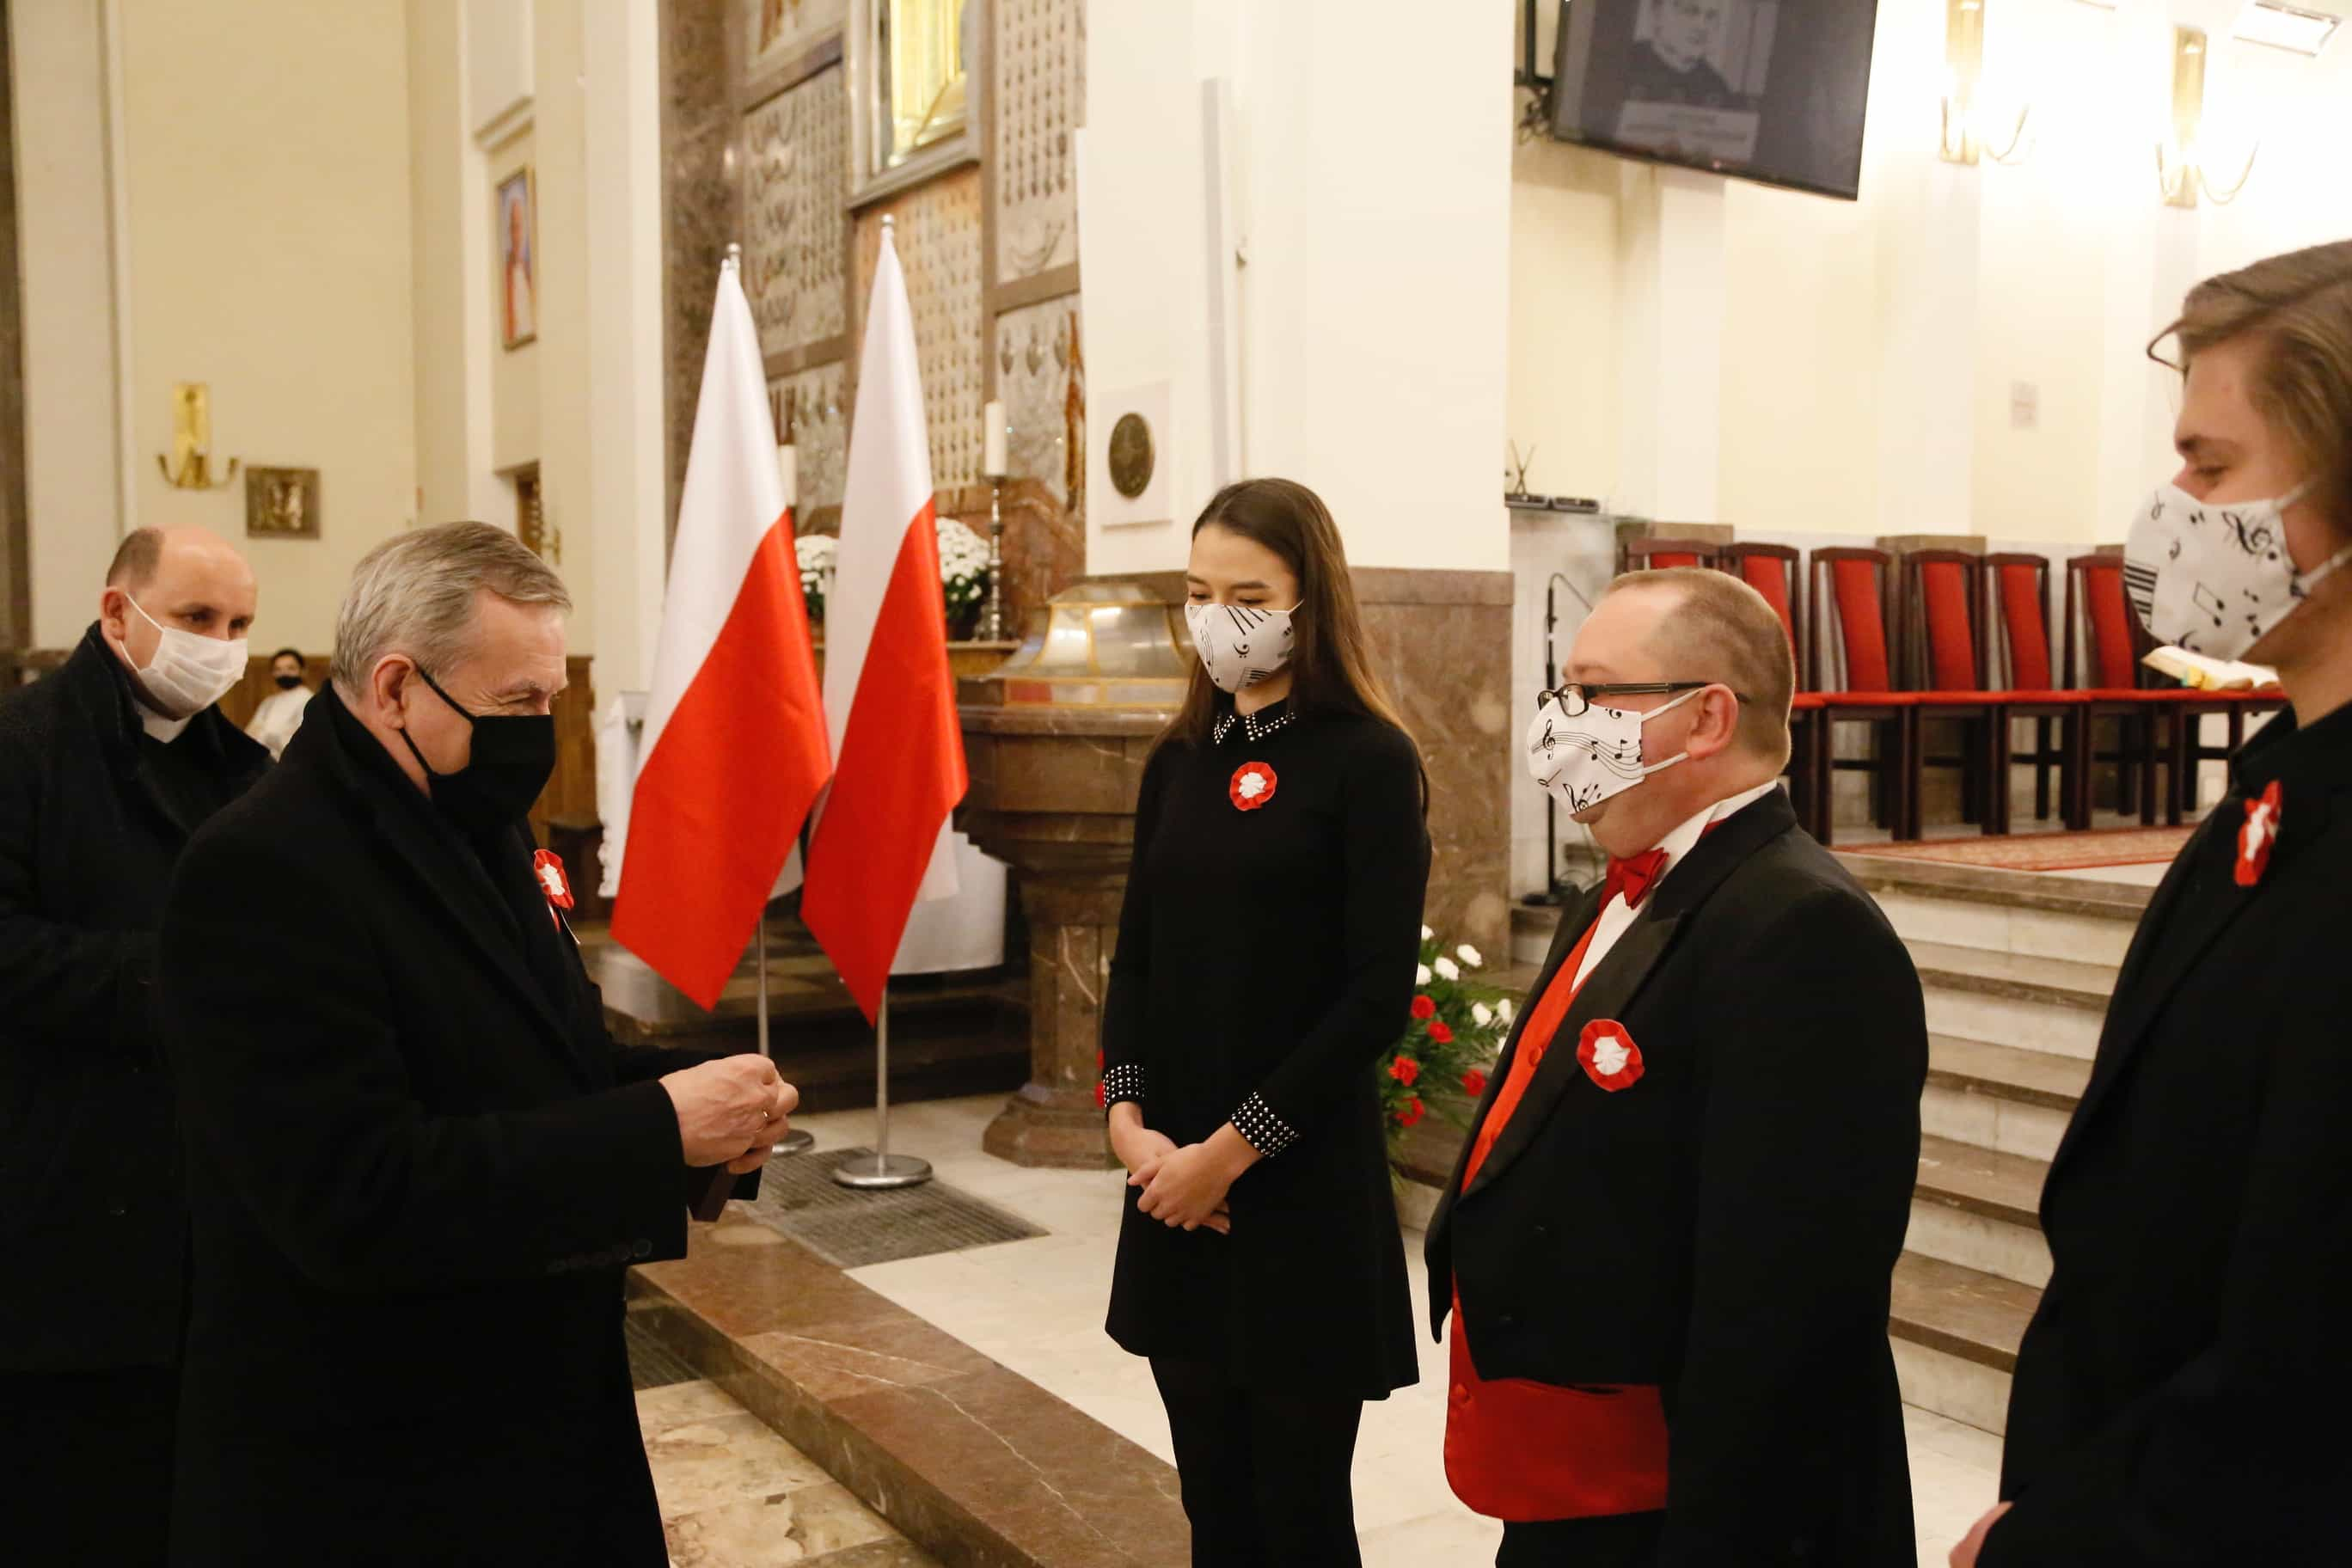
x: 1771, y: 570
x: 2020, y: 586
x: 2101, y: 628
x: 1944, y: 612
x: 1853, y: 589
x: 1657, y: 554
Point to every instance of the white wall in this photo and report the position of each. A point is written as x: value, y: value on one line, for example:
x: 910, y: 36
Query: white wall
x: 1374, y: 302
x: 73, y: 452
x: 265, y: 159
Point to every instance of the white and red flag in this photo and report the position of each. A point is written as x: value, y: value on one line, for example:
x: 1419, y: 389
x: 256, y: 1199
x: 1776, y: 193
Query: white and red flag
x: 735, y: 747
x: 881, y: 839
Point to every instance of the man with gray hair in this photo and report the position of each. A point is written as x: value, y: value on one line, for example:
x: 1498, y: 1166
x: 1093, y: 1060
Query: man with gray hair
x: 419, y: 1171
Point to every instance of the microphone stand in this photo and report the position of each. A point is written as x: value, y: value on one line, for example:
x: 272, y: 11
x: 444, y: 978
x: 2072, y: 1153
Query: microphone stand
x: 1552, y: 894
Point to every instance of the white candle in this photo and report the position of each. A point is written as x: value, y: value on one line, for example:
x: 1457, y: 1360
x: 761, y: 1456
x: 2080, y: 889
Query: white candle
x: 993, y: 462
x: 788, y: 470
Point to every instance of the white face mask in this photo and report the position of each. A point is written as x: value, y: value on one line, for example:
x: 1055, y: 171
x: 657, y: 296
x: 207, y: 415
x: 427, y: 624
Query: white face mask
x: 1241, y: 646
x: 1585, y: 759
x: 188, y: 673
x: 2214, y: 577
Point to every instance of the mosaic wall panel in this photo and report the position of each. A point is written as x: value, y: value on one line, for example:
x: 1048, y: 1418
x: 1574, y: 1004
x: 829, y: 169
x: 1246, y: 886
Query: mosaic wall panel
x: 778, y: 30
x: 797, y: 178
x: 937, y: 229
x: 1039, y: 97
x: 1041, y: 379
x: 809, y: 405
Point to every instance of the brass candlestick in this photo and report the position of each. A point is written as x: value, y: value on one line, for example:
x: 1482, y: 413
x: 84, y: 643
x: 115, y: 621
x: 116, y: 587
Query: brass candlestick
x: 991, y: 618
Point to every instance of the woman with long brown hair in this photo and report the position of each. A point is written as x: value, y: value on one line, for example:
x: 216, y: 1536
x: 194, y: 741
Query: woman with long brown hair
x: 1266, y: 955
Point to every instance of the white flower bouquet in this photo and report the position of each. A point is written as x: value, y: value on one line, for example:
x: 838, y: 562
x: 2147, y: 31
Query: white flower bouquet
x: 963, y: 571
x: 815, y: 552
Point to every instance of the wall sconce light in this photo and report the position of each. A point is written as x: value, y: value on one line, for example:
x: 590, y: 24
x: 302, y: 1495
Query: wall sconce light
x: 1964, y: 138
x: 189, y: 468
x: 2181, y: 161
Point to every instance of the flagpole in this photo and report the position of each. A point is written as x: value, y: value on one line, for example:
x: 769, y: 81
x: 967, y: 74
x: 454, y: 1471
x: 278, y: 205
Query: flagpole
x: 794, y: 1141
x: 881, y: 1170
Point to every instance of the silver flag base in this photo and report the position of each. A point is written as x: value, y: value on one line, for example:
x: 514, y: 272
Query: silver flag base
x: 875, y: 1173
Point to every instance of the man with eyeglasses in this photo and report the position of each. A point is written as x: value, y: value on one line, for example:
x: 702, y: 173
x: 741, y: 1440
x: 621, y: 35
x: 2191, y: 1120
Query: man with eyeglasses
x: 1668, y: 1244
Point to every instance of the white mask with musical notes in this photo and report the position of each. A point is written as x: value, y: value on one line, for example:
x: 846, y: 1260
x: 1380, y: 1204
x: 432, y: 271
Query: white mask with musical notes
x: 1585, y: 759
x: 2215, y: 577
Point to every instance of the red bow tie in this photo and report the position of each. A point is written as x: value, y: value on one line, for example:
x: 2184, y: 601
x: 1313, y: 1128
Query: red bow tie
x: 1632, y: 878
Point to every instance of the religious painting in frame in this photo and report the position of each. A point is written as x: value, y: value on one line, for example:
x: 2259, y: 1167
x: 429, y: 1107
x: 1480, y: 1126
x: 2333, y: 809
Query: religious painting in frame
x: 282, y: 503
x: 517, y: 302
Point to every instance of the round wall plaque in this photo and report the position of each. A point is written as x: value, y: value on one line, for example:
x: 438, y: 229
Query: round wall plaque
x: 1131, y: 457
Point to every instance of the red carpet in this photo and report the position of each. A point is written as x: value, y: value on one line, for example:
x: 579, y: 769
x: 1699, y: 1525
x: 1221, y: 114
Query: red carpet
x: 2043, y: 851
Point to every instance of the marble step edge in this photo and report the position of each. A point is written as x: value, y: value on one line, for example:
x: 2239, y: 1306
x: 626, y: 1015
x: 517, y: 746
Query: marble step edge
x: 2003, y: 1187
x: 2006, y: 1072
x: 1975, y: 1317
x: 2082, y: 987
x: 967, y: 1460
x: 2122, y: 901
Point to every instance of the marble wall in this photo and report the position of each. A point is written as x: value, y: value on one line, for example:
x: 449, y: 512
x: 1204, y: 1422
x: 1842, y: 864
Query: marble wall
x: 702, y: 199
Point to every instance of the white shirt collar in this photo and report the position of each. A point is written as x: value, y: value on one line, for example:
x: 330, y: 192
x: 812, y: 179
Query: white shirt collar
x: 1681, y: 841
x: 164, y: 730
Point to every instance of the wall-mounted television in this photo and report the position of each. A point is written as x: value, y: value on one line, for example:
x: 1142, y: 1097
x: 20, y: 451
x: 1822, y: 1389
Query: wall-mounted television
x: 1770, y: 90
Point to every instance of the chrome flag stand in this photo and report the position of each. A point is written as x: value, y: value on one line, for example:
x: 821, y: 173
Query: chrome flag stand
x: 796, y: 1142
x: 879, y: 1170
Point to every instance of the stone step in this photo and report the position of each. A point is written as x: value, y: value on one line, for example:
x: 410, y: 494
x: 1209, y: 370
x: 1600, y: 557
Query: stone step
x: 1955, y: 1331
x: 2051, y: 1006
x: 1999, y: 1097
x: 2004, y: 912
x: 1978, y: 1208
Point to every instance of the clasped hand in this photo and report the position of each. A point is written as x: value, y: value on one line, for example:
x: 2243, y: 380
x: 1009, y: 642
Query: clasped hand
x: 730, y: 1111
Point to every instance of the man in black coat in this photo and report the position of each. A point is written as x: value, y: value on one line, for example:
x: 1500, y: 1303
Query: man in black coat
x: 2177, y: 1396
x: 418, y: 1166
x: 106, y: 767
x: 1671, y: 1238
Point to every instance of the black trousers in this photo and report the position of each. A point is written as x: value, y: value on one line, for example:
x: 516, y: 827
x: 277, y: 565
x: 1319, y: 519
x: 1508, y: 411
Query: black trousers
x: 1264, y: 1476
x: 85, y: 1465
x: 1617, y: 1540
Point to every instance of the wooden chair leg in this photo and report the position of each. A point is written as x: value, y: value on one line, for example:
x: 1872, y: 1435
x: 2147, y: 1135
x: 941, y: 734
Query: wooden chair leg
x: 1909, y: 747
x: 1824, y: 741
x: 2074, y: 771
x: 2042, y: 770
x: 2146, y: 743
x: 1997, y: 766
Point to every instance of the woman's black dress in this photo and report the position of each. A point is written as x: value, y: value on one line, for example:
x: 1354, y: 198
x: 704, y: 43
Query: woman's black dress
x: 1266, y: 957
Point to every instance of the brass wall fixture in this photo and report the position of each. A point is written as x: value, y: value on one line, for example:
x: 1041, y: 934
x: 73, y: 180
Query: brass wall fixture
x: 189, y: 468
x: 1964, y: 138
x: 2180, y: 160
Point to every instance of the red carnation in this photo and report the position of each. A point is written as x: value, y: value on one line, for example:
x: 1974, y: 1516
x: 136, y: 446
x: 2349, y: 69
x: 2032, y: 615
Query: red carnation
x: 1473, y: 1082
x: 1404, y: 1070
x: 1413, y: 1112
x: 1422, y: 1007
x: 1441, y: 1033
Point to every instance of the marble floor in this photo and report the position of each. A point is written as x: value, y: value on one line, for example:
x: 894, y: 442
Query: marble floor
x: 1036, y: 1306
x: 735, y: 1495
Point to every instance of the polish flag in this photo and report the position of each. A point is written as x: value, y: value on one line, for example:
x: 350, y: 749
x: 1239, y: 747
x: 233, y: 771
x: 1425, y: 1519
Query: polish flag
x: 881, y: 841
x: 735, y: 748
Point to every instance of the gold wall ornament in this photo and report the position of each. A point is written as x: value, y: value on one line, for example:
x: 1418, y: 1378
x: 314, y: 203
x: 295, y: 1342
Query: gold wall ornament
x: 2181, y: 161
x: 282, y: 503
x: 1132, y: 457
x: 189, y: 468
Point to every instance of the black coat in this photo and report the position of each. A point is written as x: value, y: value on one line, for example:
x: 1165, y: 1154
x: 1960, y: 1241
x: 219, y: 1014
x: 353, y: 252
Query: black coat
x: 1726, y: 1229
x: 93, y: 1222
x: 2177, y: 1398
x: 1265, y: 957
x: 417, y: 1173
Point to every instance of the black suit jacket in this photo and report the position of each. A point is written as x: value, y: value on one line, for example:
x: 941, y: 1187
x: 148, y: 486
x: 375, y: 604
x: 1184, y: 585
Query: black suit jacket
x: 416, y: 1177
x: 2177, y: 1398
x: 93, y: 1223
x: 1725, y: 1228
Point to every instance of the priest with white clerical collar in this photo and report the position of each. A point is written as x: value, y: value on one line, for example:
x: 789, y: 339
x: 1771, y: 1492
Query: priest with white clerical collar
x: 1668, y: 1247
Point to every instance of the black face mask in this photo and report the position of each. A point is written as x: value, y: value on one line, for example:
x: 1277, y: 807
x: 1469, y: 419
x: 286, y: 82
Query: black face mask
x: 513, y: 757
x: 287, y: 682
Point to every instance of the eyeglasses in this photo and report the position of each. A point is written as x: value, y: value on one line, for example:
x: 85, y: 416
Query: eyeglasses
x: 1575, y: 698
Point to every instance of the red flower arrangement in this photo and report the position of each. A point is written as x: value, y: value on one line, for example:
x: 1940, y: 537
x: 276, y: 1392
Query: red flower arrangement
x: 1254, y: 785
x: 1453, y: 1028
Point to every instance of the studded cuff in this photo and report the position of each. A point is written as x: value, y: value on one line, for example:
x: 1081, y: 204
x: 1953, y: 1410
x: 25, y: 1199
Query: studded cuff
x: 1262, y: 1128
x: 1122, y: 1082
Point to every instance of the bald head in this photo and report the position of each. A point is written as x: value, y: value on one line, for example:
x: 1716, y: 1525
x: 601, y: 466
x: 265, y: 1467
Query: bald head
x: 190, y: 578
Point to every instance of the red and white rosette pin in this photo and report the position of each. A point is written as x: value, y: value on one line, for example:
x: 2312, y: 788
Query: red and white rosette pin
x: 1254, y: 785
x: 548, y: 866
x: 1608, y: 1056
x: 2259, y: 836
